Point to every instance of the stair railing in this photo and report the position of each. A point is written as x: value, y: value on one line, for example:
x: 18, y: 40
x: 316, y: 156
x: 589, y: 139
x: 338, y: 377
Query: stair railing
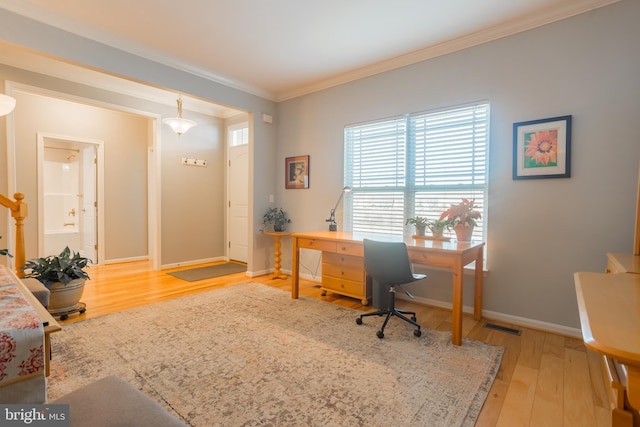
x: 19, y: 213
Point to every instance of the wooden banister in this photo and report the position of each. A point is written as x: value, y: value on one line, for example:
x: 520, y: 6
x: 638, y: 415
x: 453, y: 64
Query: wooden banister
x: 19, y: 213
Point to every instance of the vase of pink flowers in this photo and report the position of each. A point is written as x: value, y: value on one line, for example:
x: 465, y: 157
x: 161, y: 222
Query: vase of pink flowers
x: 463, y: 218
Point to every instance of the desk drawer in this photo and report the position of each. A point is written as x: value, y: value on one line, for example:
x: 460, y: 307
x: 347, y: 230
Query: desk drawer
x: 317, y: 244
x: 344, y: 274
x: 355, y: 249
x: 430, y: 258
x: 343, y: 260
x: 345, y: 287
x: 342, y: 266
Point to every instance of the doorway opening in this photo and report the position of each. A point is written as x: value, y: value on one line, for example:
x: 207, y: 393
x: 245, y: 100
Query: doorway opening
x: 69, y: 196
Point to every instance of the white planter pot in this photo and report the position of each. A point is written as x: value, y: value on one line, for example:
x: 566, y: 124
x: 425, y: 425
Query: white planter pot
x: 65, y: 298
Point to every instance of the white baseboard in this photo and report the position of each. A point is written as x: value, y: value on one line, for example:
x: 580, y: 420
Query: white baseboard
x: 194, y: 262
x: 506, y: 318
x: 132, y: 259
x: 259, y: 272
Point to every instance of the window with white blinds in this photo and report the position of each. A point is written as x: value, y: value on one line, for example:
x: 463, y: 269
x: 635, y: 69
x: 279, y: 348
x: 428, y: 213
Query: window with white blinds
x: 417, y: 164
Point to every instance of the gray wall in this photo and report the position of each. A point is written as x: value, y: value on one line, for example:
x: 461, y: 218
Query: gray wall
x: 539, y: 231
x: 193, y: 208
x: 125, y: 139
x: 187, y: 196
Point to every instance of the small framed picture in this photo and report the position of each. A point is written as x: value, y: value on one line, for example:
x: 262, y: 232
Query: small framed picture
x: 296, y: 172
x: 542, y: 148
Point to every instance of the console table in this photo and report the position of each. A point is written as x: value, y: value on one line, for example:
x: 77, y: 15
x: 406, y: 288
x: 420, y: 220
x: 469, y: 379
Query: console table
x: 610, y: 320
x: 348, y: 246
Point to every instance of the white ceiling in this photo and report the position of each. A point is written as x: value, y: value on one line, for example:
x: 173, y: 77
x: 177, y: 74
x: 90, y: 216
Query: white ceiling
x: 280, y: 49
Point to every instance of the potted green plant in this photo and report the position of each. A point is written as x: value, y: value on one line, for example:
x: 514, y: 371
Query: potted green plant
x: 437, y: 226
x: 420, y: 223
x: 463, y: 218
x: 277, y: 217
x: 64, y: 276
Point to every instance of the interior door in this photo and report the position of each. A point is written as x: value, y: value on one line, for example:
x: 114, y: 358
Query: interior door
x: 238, y: 202
x: 89, y: 204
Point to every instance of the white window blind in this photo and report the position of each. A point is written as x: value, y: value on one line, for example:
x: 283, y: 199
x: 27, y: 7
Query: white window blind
x: 418, y: 164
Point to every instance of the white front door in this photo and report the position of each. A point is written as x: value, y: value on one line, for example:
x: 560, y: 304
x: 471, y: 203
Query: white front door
x: 239, y: 202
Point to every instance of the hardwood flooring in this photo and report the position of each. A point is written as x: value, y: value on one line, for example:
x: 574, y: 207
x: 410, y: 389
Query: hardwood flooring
x: 544, y: 379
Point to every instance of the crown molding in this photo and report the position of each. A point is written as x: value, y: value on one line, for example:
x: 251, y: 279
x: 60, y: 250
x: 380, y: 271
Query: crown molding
x: 552, y: 14
x: 490, y: 34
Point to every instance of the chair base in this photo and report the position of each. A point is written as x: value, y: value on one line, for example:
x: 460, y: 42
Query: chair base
x: 389, y: 313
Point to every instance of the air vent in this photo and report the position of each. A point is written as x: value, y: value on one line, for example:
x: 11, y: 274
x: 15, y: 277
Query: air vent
x: 503, y: 328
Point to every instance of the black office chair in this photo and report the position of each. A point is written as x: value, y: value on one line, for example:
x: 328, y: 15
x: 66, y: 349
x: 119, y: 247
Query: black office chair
x: 387, y: 263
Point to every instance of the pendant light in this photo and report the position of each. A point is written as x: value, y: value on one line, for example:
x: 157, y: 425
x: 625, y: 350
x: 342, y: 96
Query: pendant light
x: 178, y: 124
x: 7, y: 104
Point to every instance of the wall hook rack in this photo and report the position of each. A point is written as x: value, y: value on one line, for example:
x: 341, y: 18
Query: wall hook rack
x: 193, y: 162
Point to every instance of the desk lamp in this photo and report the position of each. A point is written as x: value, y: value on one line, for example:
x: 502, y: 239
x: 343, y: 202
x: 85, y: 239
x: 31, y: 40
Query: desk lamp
x: 333, y: 226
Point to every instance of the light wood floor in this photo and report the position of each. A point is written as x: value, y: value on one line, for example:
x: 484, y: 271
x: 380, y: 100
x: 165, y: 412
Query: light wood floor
x: 544, y: 379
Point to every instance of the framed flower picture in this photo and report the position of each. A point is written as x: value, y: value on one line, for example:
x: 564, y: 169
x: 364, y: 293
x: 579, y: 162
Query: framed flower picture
x: 542, y: 148
x: 296, y: 172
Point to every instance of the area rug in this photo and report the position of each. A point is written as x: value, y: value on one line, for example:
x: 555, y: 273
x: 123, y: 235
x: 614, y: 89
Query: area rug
x: 249, y: 355
x: 201, y: 273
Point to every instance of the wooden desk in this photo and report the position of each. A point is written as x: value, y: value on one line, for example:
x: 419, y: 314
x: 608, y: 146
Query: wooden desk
x: 454, y: 255
x: 609, y: 306
x: 277, y: 245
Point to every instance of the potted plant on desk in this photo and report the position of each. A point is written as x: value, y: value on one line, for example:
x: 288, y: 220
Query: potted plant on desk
x: 463, y: 218
x: 64, y: 276
x: 437, y: 227
x: 420, y: 224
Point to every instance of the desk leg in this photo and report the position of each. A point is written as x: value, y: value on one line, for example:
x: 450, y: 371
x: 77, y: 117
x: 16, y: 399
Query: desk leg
x: 477, y: 293
x: 295, y: 268
x: 456, y: 315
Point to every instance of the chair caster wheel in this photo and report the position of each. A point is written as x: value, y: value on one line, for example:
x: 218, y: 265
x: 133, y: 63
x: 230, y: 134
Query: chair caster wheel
x: 359, y: 321
x: 64, y: 317
x: 417, y: 332
x: 380, y: 334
